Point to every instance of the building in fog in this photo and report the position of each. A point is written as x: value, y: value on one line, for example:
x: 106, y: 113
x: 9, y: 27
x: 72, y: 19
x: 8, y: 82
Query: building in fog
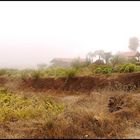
x: 65, y: 62
x: 130, y: 54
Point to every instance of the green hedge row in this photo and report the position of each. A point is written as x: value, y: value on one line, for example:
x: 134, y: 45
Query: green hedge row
x: 125, y: 68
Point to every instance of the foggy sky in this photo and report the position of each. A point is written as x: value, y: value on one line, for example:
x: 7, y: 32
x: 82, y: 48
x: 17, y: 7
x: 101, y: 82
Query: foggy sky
x: 36, y: 32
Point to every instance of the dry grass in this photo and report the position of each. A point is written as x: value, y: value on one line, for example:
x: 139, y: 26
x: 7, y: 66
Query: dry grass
x: 85, y: 116
x: 26, y: 113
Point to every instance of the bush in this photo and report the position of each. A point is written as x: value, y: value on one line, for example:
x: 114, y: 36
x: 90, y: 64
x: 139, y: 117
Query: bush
x: 61, y: 72
x: 122, y: 68
x: 127, y: 68
x: 103, y: 70
x: 116, y: 69
x: 107, y: 70
x: 92, y: 68
x: 70, y: 73
x: 84, y: 72
x: 98, y: 70
x: 24, y: 76
x: 8, y: 72
x: 36, y: 74
x: 56, y: 72
x: 137, y: 68
x: 3, y: 72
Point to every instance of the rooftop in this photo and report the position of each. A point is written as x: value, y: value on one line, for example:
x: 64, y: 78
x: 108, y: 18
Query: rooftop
x: 128, y: 54
x: 67, y: 59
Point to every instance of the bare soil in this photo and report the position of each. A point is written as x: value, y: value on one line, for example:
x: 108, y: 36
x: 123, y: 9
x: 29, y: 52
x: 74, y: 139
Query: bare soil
x: 123, y: 81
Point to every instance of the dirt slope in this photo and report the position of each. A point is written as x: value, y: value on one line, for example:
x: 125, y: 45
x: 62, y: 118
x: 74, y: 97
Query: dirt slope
x: 127, y: 82
x: 122, y: 81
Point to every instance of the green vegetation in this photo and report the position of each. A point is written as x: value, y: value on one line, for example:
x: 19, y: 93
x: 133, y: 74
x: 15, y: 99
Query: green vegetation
x: 103, y: 70
x: 52, y: 108
x: 18, y: 107
x: 55, y: 72
x: 128, y: 68
x: 78, y: 70
x: 105, y: 64
x: 58, y: 72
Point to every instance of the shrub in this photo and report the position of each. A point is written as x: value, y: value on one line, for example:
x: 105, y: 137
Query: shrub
x: 107, y: 70
x: 61, y: 72
x: 103, y: 69
x: 137, y: 69
x: 84, y: 72
x: 116, y: 69
x: 122, y: 68
x: 24, y: 76
x: 56, y: 72
x: 98, y: 70
x: 70, y: 73
x: 93, y: 67
x: 130, y: 68
x: 8, y: 72
x: 3, y: 72
x: 36, y: 74
x: 127, y: 68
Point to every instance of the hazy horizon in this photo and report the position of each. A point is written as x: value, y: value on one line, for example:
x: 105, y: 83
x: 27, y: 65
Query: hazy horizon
x: 36, y: 32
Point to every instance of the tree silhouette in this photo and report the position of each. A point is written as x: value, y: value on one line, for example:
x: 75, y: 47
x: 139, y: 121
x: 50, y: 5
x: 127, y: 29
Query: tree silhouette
x: 89, y: 57
x: 116, y: 59
x: 133, y: 43
x: 100, y: 53
x: 106, y: 56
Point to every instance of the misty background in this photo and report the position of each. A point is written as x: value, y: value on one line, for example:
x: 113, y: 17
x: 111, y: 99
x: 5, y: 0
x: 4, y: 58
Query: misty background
x: 36, y: 32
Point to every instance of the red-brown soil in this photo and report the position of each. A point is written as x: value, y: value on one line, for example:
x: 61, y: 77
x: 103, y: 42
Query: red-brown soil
x: 128, y: 81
